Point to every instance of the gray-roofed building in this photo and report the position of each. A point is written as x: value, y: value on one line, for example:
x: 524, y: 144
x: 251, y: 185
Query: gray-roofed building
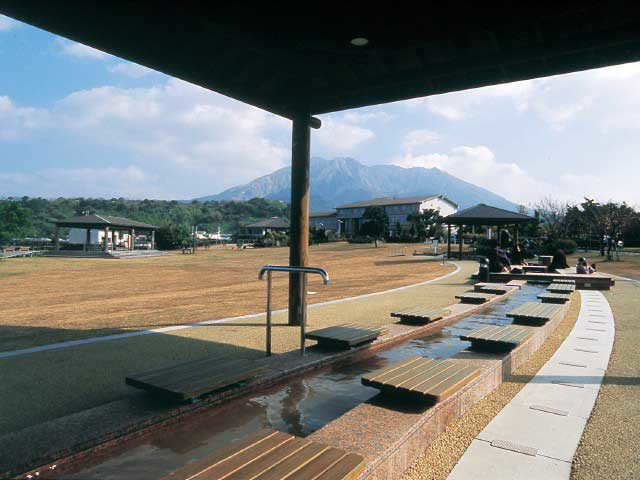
x: 397, y: 209
x: 106, y: 231
x: 327, y: 220
x: 260, y: 229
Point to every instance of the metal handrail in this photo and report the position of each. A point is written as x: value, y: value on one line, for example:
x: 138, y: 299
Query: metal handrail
x: 269, y: 269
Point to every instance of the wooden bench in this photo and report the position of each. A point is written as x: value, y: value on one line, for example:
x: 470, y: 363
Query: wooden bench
x: 345, y: 336
x: 548, y: 297
x: 494, y: 288
x: 474, y: 297
x: 516, y: 283
x: 188, y: 380
x: 534, y: 268
x: 493, y: 337
x: 532, y: 313
x: 420, y: 315
x: 561, y: 288
x: 422, y: 378
x: 271, y: 455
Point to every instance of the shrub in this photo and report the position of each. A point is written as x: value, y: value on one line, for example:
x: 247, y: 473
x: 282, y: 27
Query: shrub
x: 567, y: 245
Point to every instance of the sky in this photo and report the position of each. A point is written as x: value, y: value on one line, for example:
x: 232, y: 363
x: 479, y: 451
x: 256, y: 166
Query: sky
x: 75, y: 121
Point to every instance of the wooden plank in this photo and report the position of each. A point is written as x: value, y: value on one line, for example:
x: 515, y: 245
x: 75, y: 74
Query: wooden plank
x: 345, y: 336
x: 534, y: 268
x: 474, y: 297
x: 209, y: 461
x: 532, y: 312
x: 495, y: 337
x: 549, y: 297
x: 495, y: 288
x: 561, y: 288
x: 271, y: 455
x: 420, y: 314
x: 564, y: 280
x: 426, y: 378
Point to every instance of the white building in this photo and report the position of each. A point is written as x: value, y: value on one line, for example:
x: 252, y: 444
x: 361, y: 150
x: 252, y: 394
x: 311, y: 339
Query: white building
x: 398, y: 209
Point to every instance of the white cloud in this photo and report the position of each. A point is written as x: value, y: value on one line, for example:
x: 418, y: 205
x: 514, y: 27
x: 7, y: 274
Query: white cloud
x: 340, y: 138
x: 7, y: 23
x: 131, y: 70
x: 194, y: 141
x: 359, y: 118
x: 79, y: 50
x: 420, y: 138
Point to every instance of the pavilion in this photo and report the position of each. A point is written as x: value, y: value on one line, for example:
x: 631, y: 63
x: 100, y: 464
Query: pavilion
x: 483, y: 215
x: 297, y: 61
x: 109, y: 225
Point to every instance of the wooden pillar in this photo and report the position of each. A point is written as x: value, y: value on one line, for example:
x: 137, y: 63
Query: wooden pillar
x: 56, y: 239
x: 153, y: 239
x: 132, y: 238
x: 106, y: 239
x: 449, y: 241
x: 87, y: 239
x: 299, y: 230
x: 460, y: 237
x: 515, y: 235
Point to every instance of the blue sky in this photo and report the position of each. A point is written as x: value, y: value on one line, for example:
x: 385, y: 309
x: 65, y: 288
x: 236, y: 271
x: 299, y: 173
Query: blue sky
x: 75, y: 121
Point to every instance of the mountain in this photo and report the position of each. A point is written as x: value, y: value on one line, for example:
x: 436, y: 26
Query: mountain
x: 344, y: 180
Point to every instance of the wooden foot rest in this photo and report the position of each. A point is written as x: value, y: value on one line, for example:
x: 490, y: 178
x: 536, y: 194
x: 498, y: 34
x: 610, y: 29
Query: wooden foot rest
x: 549, y: 297
x: 534, y: 313
x: 272, y: 455
x: 516, y: 283
x: 495, y: 288
x: 494, y: 337
x: 534, y: 268
x: 421, y: 377
x: 418, y: 315
x: 564, y: 280
x: 561, y: 288
x: 345, y: 336
x: 188, y: 380
x: 474, y: 297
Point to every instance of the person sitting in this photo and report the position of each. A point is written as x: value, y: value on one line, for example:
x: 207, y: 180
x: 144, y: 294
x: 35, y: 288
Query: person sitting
x: 558, y: 261
x: 498, y: 259
x: 517, y: 256
x: 583, y: 267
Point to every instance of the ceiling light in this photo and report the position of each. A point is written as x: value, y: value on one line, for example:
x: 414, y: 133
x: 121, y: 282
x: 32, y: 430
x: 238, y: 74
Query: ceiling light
x: 359, y: 41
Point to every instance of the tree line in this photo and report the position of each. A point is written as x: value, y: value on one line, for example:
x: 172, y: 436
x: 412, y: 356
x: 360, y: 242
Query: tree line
x: 32, y: 217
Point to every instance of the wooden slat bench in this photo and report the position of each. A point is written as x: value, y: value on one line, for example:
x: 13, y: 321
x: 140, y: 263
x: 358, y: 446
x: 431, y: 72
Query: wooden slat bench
x: 345, y: 336
x: 272, y: 455
x: 532, y: 313
x: 421, y: 377
x: 548, y: 297
x: 534, y: 268
x: 561, y: 288
x: 516, y: 283
x: 420, y: 315
x: 494, y: 288
x: 564, y: 280
x: 493, y: 337
x: 474, y: 297
x: 188, y: 380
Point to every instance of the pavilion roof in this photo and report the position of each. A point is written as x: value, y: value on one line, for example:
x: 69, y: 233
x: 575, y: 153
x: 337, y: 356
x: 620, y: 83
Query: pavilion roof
x: 482, y: 214
x: 100, y: 221
x: 291, y: 59
x: 275, y: 222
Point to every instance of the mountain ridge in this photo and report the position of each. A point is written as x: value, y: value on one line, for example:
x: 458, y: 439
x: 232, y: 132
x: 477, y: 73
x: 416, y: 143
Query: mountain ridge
x: 343, y: 180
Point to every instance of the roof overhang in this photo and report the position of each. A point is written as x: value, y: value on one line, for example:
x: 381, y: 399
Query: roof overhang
x: 294, y: 60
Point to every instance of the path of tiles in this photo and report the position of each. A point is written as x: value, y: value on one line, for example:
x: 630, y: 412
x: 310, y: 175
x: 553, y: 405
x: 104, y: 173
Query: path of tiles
x: 536, y: 435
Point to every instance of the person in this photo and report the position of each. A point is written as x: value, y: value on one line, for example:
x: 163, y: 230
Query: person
x: 558, y: 261
x: 583, y: 267
x: 498, y: 259
x: 517, y: 256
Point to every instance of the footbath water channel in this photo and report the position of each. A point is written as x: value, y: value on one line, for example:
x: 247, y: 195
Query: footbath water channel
x: 300, y: 406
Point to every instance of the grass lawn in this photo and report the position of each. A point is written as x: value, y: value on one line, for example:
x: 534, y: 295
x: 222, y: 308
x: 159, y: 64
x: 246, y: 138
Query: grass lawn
x: 45, y: 300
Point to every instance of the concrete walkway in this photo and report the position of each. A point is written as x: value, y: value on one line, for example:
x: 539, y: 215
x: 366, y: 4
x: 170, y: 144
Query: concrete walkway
x: 536, y: 435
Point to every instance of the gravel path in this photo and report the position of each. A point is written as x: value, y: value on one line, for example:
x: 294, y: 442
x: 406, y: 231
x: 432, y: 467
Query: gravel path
x: 609, y: 446
x: 443, y: 454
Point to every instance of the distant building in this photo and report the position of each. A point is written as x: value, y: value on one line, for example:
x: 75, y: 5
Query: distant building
x: 397, y: 209
x: 261, y: 228
x: 327, y: 220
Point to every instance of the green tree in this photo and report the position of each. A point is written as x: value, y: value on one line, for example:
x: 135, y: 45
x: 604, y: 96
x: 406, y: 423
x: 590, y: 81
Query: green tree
x: 376, y: 222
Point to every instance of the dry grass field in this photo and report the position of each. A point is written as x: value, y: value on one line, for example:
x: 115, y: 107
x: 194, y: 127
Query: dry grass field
x: 44, y: 300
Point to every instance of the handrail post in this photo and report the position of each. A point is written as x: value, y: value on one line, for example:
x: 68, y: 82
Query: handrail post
x: 269, y: 313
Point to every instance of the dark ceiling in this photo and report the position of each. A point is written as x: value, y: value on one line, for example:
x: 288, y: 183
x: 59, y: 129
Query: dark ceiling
x: 300, y: 59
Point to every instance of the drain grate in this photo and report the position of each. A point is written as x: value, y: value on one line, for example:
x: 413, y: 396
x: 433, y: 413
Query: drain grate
x: 567, y: 384
x: 596, y: 329
x: 581, y: 365
x: 585, y: 350
x: 555, y: 411
x: 588, y: 338
x: 514, y: 447
x: 597, y: 321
